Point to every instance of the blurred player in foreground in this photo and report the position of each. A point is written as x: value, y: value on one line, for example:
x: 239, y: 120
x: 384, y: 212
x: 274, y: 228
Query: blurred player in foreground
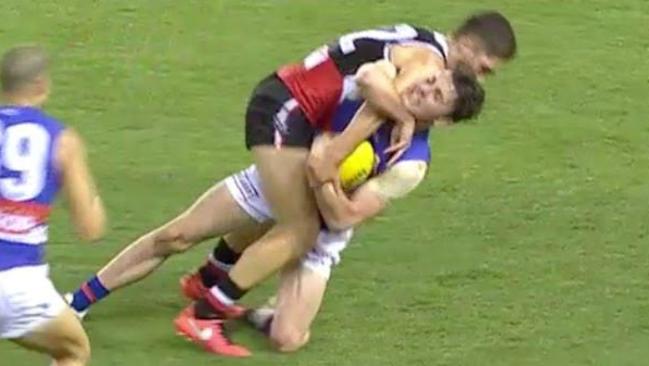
x: 39, y: 156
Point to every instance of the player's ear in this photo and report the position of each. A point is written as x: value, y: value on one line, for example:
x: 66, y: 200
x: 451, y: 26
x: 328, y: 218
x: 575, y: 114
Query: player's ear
x: 41, y: 84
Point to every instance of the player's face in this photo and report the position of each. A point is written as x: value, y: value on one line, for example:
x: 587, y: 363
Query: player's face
x: 472, y: 54
x: 484, y: 65
x: 432, y: 98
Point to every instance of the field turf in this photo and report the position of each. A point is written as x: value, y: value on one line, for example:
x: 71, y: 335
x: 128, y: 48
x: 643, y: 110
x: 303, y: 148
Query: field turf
x: 526, y: 246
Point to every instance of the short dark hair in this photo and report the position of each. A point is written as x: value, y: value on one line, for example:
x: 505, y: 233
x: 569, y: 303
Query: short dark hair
x: 22, y: 65
x: 470, y: 94
x: 493, y: 30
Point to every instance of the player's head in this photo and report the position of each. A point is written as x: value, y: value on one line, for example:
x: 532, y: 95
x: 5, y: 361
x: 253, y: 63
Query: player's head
x: 24, y: 75
x: 453, y: 95
x: 483, y: 41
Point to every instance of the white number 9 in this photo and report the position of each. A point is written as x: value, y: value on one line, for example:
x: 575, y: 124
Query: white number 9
x: 24, y: 161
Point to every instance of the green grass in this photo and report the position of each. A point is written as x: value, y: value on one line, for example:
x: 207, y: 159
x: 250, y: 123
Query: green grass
x: 526, y: 246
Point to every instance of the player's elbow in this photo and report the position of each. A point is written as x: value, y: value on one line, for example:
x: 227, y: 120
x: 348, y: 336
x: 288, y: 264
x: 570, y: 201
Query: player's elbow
x: 368, y: 77
x: 373, y: 75
x: 341, y: 220
x: 92, y: 226
x: 365, y: 76
x: 92, y: 230
x: 338, y: 224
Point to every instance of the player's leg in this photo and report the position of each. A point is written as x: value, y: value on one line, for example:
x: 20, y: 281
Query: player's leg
x: 219, y: 262
x: 291, y: 200
x: 63, y: 338
x: 215, y: 213
x: 298, y: 301
x: 288, y: 321
x: 33, y: 315
x: 279, y: 136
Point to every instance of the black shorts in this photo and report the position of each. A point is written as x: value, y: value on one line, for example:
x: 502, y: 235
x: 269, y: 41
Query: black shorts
x: 273, y: 117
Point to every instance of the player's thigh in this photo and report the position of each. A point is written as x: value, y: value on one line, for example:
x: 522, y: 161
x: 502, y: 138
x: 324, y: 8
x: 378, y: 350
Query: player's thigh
x: 62, y: 338
x: 214, y: 213
x: 299, y: 298
x: 243, y: 237
x: 285, y: 185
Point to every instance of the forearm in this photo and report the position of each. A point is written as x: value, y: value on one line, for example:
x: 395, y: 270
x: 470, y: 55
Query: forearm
x: 341, y: 145
x: 336, y: 209
x: 378, y: 88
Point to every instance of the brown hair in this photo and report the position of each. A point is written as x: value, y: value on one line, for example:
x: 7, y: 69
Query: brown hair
x: 470, y: 94
x: 493, y: 31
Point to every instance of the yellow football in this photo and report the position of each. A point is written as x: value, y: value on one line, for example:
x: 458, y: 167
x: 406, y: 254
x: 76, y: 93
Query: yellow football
x: 357, y: 167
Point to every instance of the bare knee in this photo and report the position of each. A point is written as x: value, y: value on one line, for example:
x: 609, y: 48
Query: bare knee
x: 171, y: 239
x: 76, y: 352
x: 288, y: 339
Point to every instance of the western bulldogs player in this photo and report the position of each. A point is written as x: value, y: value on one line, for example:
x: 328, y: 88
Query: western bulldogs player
x: 287, y: 320
x: 217, y: 213
x: 38, y: 156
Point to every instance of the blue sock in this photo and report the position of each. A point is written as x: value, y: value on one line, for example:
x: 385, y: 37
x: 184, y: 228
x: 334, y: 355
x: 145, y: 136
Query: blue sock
x: 89, y: 293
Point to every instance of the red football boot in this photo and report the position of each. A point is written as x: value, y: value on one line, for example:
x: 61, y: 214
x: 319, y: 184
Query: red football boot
x: 208, y: 334
x: 191, y: 286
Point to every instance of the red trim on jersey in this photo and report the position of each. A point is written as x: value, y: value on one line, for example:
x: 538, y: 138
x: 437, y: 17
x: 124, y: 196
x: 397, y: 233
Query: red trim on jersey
x: 316, y: 89
x: 38, y: 211
x: 31, y: 210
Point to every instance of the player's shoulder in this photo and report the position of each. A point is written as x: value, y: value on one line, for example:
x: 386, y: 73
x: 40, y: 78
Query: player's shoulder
x: 13, y: 115
x: 400, y: 179
x: 68, y: 144
x: 408, y: 171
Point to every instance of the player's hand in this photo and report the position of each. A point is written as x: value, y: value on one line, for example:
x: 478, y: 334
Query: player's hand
x: 400, y: 140
x: 320, y: 170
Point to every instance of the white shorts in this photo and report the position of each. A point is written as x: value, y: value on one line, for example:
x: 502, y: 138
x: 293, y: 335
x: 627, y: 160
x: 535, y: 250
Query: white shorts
x: 245, y: 188
x: 28, y: 300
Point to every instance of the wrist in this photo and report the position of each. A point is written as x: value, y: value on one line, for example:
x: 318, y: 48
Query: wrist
x: 334, y: 154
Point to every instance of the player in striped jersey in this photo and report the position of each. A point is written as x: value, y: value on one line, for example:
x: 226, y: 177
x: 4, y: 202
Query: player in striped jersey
x: 39, y: 155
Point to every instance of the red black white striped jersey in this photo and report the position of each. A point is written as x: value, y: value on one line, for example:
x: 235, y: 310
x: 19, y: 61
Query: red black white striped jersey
x: 318, y: 82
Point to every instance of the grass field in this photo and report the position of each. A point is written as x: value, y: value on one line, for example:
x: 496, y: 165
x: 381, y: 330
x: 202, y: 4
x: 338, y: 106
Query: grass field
x: 526, y: 246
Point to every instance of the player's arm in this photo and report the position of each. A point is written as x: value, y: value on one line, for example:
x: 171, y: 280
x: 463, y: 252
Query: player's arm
x: 380, y: 83
x: 85, y: 206
x: 324, y: 161
x: 377, y: 83
x: 341, y: 212
x: 414, y: 63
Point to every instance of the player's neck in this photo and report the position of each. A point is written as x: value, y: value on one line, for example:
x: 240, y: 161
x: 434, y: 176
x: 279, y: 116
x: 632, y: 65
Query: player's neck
x: 24, y: 100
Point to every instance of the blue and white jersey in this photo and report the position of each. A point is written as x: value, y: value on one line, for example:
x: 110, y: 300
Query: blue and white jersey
x: 419, y: 148
x: 29, y: 183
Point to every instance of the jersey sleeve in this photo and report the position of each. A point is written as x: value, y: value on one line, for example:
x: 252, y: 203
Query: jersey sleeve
x: 399, y: 180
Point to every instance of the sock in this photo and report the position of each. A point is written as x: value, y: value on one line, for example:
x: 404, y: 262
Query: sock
x: 89, y: 293
x: 224, y: 254
x: 218, y: 264
x: 224, y: 295
x: 261, y: 319
x: 226, y: 291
